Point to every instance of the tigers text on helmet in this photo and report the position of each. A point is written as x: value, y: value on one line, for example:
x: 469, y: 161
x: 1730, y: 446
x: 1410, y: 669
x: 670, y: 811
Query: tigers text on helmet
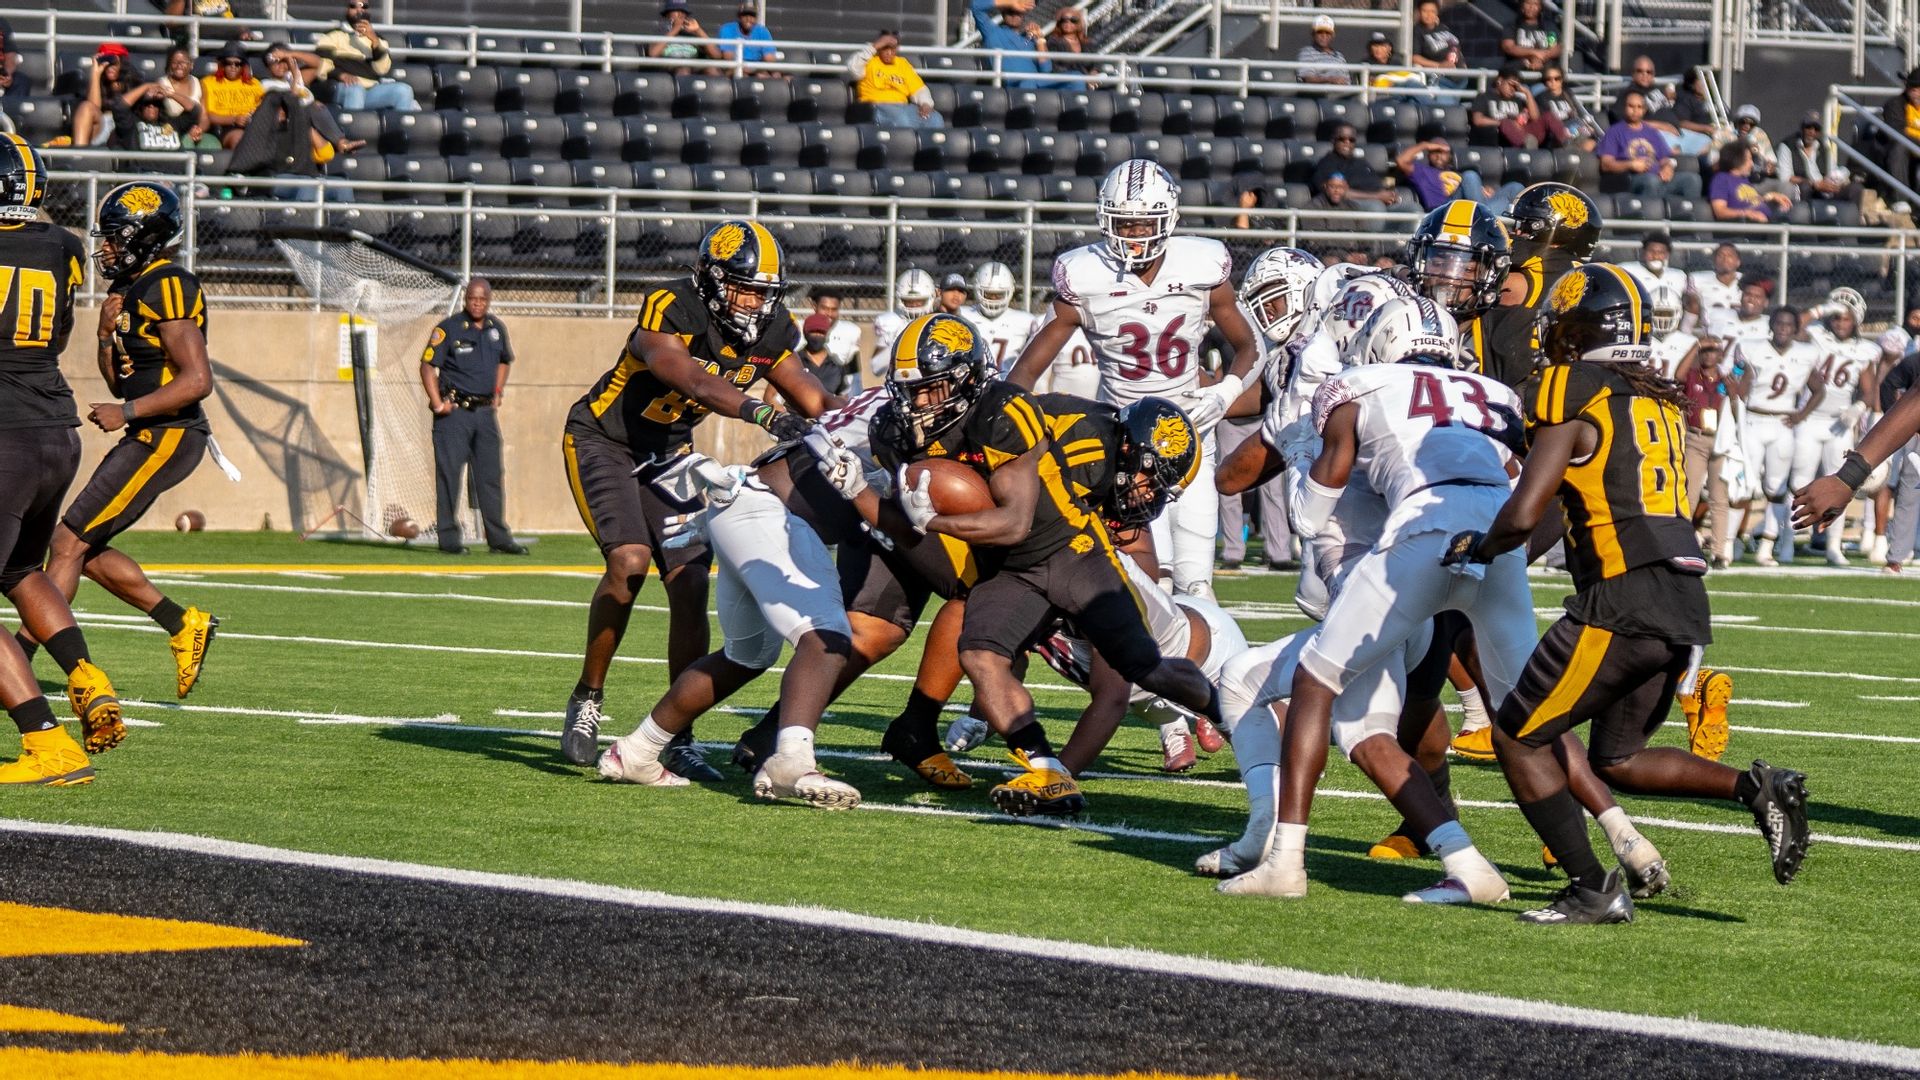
x: 1459, y: 256
x: 1666, y: 311
x: 913, y: 292
x: 1597, y: 313
x: 23, y: 179
x: 1274, y: 291
x: 1557, y: 215
x: 993, y: 286
x: 1354, y: 304
x: 936, y: 373
x: 137, y: 221
x: 1157, y: 442
x: 740, y: 275
x: 1139, y: 207
x: 1409, y: 331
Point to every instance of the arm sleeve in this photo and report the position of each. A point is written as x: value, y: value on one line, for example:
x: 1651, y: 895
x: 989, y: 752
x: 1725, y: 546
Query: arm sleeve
x: 857, y: 63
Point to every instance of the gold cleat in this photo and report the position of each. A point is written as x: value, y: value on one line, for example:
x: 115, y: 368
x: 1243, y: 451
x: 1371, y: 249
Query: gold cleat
x: 1038, y: 791
x: 940, y: 771
x: 48, y: 758
x: 190, y: 647
x: 1475, y: 745
x: 1707, y: 723
x: 1395, y: 846
x: 94, y: 702
x: 1546, y: 858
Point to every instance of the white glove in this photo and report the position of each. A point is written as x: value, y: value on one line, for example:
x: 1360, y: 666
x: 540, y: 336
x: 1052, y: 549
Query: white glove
x: 1299, y: 444
x: 684, y: 530
x: 720, y: 483
x: 840, y: 466
x: 1206, y: 406
x: 916, y: 500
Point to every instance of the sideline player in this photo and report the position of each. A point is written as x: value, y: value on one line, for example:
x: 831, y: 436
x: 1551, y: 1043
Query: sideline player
x: 1777, y: 373
x: 153, y: 355
x: 1075, y: 372
x: 1608, y: 436
x: 1005, y: 328
x: 913, y: 296
x: 40, y: 452
x: 1827, y: 434
x: 699, y: 345
x: 1144, y: 297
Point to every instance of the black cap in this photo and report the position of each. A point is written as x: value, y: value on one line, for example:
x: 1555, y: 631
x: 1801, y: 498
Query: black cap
x: 1656, y: 236
x: 1379, y: 37
x: 953, y: 281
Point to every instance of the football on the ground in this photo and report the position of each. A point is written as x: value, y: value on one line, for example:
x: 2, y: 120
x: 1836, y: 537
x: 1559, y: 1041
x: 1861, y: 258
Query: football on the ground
x: 190, y: 521
x: 403, y: 529
x: 956, y: 488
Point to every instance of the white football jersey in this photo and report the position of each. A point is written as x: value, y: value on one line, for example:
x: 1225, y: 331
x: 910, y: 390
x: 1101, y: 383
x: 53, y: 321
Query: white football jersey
x: 1073, y: 371
x: 1668, y: 351
x: 1145, y: 338
x: 1172, y: 630
x: 1727, y: 325
x: 1774, y: 378
x: 1668, y: 276
x: 1427, y: 442
x: 886, y: 330
x: 1317, y: 361
x: 1005, y: 336
x: 1707, y: 287
x: 1841, y: 365
x: 852, y: 423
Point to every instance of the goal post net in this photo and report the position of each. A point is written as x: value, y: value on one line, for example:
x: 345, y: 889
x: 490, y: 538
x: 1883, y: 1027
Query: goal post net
x: 388, y: 302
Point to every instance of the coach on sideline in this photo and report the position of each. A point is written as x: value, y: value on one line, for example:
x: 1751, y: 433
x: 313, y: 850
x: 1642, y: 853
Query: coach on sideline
x: 464, y: 370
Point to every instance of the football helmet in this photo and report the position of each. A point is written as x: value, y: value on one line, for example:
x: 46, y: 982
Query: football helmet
x: 913, y: 292
x: 1408, y: 331
x: 1597, y: 313
x: 1459, y: 256
x: 23, y: 179
x: 1850, y: 300
x: 740, y: 275
x: 1666, y: 310
x: 993, y: 286
x: 1325, y: 284
x: 1159, y: 455
x: 1355, y: 303
x: 936, y: 373
x: 1274, y: 291
x: 1557, y: 215
x: 1139, y: 207
x: 137, y: 221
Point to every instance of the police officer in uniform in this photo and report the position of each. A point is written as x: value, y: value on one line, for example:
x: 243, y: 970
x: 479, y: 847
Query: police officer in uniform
x: 464, y: 370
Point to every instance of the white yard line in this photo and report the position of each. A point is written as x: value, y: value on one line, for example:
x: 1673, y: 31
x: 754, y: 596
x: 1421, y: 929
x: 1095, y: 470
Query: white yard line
x: 1798, y: 732
x: 317, y: 715
x: 1764, y: 703
x: 1893, y: 697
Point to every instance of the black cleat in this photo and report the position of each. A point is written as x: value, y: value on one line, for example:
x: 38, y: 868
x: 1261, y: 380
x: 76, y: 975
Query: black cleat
x: 1780, y: 809
x: 756, y: 745
x: 1577, y: 905
x: 683, y: 759
x: 580, y: 738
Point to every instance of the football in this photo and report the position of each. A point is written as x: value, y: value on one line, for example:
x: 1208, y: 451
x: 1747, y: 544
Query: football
x: 403, y: 528
x: 190, y: 521
x: 956, y: 488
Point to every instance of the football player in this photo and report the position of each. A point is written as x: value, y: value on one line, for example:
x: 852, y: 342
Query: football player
x: 912, y: 297
x: 1827, y: 434
x: 1274, y: 293
x: 1144, y: 297
x: 1655, y: 267
x: 1075, y: 372
x: 40, y: 452
x: 1717, y: 289
x: 1823, y: 499
x: 1672, y: 346
x: 1554, y: 227
x: 1746, y: 320
x: 1005, y: 328
x: 1458, y: 257
x: 700, y: 345
x: 1607, y: 435
x: 153, y: 355
x: 1781, y: 382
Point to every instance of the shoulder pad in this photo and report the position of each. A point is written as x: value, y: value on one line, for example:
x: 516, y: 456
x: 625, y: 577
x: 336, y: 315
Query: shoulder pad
x: 1560, y: 392
x: 672, y: 309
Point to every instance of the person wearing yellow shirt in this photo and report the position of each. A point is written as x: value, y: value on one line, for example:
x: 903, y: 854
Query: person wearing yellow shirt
x: 884, y: 79
x: 230, y: 95
x: 1902, y: 113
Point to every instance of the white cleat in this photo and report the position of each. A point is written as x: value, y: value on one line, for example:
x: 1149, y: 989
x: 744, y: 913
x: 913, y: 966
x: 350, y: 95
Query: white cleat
x: 1764, y: 556
x: 1268, y: 879
x: 1836, y: 557
x: 786, y: 778
x: 619, y: 767
x: 1646, y: 870
x: 1221, y: 863
x: 1877, y: 551
x: 1481, y: 889
x: 966, y: 733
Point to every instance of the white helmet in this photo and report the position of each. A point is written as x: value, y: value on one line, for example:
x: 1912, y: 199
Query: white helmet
x: 992, y: 288
x: 1355, y: 303
x: 1325, y: 285
x: 1138, y: 191
x: 913, y: 293
x: 1280, y: 277
x: 1404, y: 330
x: 1851, y: 300
x: 1665, y: 309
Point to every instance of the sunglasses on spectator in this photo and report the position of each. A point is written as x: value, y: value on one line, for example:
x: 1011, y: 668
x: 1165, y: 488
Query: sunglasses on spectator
x: 1643, y: 71
x: 1069, y: 20
x: 233, y: 61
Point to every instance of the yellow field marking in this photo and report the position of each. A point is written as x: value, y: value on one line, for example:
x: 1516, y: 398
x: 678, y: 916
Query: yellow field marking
x: 364, y: 568
x: 21, y: 1018
x: 46, y: 931
x: 145, y: 1066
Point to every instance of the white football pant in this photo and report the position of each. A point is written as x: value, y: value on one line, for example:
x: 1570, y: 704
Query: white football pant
x: 776, y: 582
x: 1184, y: 533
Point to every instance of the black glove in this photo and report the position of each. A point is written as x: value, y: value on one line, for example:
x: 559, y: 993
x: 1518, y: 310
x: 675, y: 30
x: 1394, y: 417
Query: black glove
x: 1512, y: 432
x: 786, y: 427
x: 1464, y: 548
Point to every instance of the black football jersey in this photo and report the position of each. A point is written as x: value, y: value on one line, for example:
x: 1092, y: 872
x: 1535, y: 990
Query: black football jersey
x: 40, y: 267
x: 1541, y: 267
x: 630, y: 405
x: 1087, y: 434
x: 164, y: 292
x: 1504, y: 342
x: 1626, y: 504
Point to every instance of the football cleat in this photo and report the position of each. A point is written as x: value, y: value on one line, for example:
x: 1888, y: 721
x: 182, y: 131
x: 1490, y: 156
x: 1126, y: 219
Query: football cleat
x: 1546, y: 858
x: 1475, y: 745
x: 925, y: 758
x: 1835, y: 556
x: 792, y: 777
x: 98, y: 708
x: 966, y: 733
x: 1208, y: 736
x: 1270, y: 878
x: 1176, y: 749
x: 1221, y: 863
x: 1049, y: 792
x: 682, y: 758
x: 1486, y: 887
x: 1780, y: 809
x: 48, y: 758
x: 1397, y: 846
x: 1646, y: 870
x: 190, y: 647
x: 1764, y: 556
x: 756, y: 745
x: 1579, y: 906
x: 619, y: 765
x: 1707, y: 722
x: 580, y: 739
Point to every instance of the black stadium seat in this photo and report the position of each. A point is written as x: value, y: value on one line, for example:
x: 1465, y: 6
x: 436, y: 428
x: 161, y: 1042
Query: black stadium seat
x: 1045, y: 151
x: 602, y: 173
x: 782, y: 180
x: 1292, y: 118
x: 702, y: 96
x: 942, y: 148
x: 591, y: 93
x: 886, y: 148
x: 467, y: 88
x: 360, y: 125
x: 592, y: 137
x: 398, y: 132
x: 478, y: 133
x: 533, y: 90
x: 644, y: 93
x: 39, y: 120
x: 533, y: 135
x: 828, y: 146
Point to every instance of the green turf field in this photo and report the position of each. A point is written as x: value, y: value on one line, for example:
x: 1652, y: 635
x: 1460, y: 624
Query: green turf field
x: 1831, y: 955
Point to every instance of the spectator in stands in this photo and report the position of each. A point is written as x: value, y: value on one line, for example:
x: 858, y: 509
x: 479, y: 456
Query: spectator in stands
x: 1902, y: 113
x: 1429, y: 170
x: 1746, y: 127
x: 280, y: 140
x: 1637, y: 152
x: 1690, y: 120
x: 820, y: 361
x: 289, y: 68
x: 1328, y: 65
x: 747, y: 27
x: 113, y: 76
x: 1508, y: 116
x: 1643, y: 80
x: 1380, y: 50
x: 1250, y: 193
x: 1363, y: 184
x: 1003, y: 25
x: 356, y: 60
x: 1070, y: 36
x: 883, y: 78
x: 1811, y: 163
x: 1434, y: 46
x: 230, y: 94
x: 1552, y: 97
x: 681, y: 24
x: 1732, y: 192
x: 177, y: 78
x: 1335, y: 196
x: 10, y: 58
x: 1529, y: 42
x: 140, y: 122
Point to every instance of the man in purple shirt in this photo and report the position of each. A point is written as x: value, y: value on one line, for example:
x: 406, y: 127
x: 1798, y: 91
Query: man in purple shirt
x: 1429, y: 170
x: 1637, y: 155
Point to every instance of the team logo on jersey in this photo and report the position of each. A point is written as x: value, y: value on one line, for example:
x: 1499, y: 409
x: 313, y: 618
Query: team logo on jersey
x: 1171, y: 436
x: 727, y: 241
x: 1568, y: 291
x: 1569, y: 206
x: 951, y: 333
x: 140, y: 200
x: 1081, y: 544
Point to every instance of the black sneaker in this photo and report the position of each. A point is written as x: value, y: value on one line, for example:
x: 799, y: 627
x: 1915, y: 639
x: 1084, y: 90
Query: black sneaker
x: 1780, y: 809
x: 580, y: 738
x: 755, y: 746
x: 1577, y: 905
x: 514, y: 548
x: 683, y: 759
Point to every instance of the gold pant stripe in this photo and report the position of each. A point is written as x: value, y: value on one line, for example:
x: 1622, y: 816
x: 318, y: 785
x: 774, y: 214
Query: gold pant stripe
x: 169, y: 442
x: 1588, y: 652
x: 579, y: 491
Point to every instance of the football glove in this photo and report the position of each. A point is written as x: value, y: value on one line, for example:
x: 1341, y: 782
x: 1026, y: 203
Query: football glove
x: 783, y: 426
x: 1464, y: 549
x: 840, y: 466
x: 1206, y: 406
x: 965, y: 733
x: 1299, y: 444
x: 684, y: 530
x: 916, y: 501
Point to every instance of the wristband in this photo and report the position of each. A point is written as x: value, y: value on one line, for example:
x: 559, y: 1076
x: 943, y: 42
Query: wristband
x: 1854, y: 470
x: 756, y: 412
x: 126, y: 413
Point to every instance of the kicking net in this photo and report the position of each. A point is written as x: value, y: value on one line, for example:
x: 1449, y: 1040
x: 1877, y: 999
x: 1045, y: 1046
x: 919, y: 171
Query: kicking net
x: 389, y: 303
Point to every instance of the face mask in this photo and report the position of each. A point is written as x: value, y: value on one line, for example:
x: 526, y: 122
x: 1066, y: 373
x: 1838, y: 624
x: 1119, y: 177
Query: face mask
x: 816, y: 343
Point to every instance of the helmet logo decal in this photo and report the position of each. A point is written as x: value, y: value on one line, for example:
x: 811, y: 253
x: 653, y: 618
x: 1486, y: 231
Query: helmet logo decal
x: 1171, y: 436
x: 1569, y: 206
x: 727, y: 241
x: 140, y: 200
x: 951, y: 333
x: 1568, y: 291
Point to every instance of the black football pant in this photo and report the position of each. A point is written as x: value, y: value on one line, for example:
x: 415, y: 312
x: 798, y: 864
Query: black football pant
x: 463, y: 440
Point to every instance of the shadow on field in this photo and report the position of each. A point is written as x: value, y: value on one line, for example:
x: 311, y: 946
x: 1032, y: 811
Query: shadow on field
x: 533, y: 751
x: 1904, y: 826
